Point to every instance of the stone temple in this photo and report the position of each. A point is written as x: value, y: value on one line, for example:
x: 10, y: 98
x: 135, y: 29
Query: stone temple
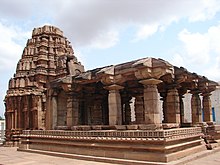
x: 131, y: 111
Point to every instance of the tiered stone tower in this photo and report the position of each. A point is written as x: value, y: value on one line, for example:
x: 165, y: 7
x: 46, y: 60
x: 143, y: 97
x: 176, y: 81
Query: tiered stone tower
x: 48, y: 55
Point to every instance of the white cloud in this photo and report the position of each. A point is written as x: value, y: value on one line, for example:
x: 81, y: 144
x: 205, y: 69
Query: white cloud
x: 84, y: 25
x: 213, y: 71
x: 10, y: 47
x: 83, y: 20
x: 214, y: 38
x: 205, y: 10
x: 177, y: 60
x: 105, y: 40
x: 81, y: 57
x: 145, y: 31
x: 196, y: 45
x: 201, y: 50
x: 12, y: 42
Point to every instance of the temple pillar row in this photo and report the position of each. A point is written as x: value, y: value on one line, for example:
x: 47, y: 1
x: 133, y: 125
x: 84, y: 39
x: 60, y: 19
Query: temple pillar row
x: 139, y: 109
x: 182, y: 117
x: 40, y: 113
x: 164, y: 106
x: 75, y: 109
x: 196, y: 108
x: 127, y: 111
x: 114, y: 103
x: 173, y: 106
x: 69, y: 107
x: 151, y: 103
x: 207, y: 107
x: 54, y: 112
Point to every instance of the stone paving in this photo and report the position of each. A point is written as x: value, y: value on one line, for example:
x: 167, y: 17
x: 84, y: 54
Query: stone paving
x: 10, y: 156
x: 210, y: 159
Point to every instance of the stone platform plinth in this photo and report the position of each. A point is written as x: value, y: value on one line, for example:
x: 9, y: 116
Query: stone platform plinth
x: 214, y: 131
x: 12, y: 137
x: 143, y: 145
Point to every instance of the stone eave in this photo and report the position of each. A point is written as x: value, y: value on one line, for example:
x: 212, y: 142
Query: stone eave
x: 193, y: 81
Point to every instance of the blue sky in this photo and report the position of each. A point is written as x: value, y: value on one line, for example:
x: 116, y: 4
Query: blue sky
x: 105, y: 32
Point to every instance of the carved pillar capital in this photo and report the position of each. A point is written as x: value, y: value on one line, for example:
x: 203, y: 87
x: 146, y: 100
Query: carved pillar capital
x: 112, y: 79
x: 195, y: 92
x: 114, y: 87
x: 206, y: 94
x: 150, y: 82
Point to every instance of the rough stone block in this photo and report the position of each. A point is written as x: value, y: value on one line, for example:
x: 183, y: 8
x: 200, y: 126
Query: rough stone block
x: 81, y: 128
x: 149, y: 127
x: 108, y: 127
x: 120, y: 127
x: 96, y: 127
x: 132, y: 127
x: 74, y: 128
x: 63, y: 128
x: 170, y: 125
x: 85, y: 128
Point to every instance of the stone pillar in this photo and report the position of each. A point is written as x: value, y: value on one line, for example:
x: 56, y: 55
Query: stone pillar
x: 139, y: 109
x: 16, y: 118
x: 39, y: 112
x: 69, y: 115
x: 151, y: 103
x: 19, y: 113
x: 26, y: 112
x: 164, y: 106
x: 182, y: 92
x: 207, y: 107
x: 173, y: 106
x: 54, y: 112
x: 196, y: 108
x: 48, y: 118
x: 75, y: 109
x: 36, y: 110
x: 127, y: 112
x: 13, y: 119
x: 181, y: 109
x: 96, y: 111
x: 114, y: 104
x: 8, y: 118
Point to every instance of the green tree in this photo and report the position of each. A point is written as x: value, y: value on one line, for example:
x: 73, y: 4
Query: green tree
x: 1, y: 118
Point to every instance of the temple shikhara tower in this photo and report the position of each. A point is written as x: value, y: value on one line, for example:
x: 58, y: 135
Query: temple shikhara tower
x: 47, y: 56
x: 131, y: 111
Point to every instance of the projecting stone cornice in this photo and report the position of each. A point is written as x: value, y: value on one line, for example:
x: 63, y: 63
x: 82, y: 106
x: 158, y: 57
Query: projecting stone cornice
x: 117, y: 79
x: 114, y: 87
x: 193, y: 81
x: 109, y: 70
x: 150, y: 81
x: 152, y: 68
